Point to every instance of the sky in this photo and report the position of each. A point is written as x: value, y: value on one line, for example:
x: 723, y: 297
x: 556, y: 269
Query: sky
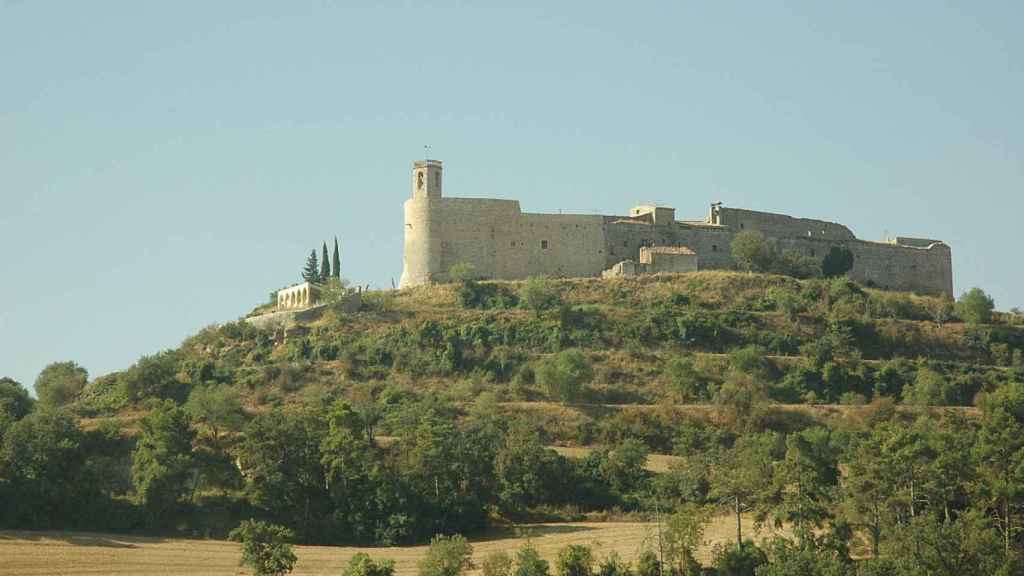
x: 165, y: 165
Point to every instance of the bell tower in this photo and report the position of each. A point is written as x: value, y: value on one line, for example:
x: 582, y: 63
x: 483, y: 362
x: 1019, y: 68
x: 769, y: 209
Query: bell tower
x: 426, y: 179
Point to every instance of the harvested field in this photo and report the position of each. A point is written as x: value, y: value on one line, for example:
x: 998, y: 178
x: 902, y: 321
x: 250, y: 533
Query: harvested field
x: 74, y: 554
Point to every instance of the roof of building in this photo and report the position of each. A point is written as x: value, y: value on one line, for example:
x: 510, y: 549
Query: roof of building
x: 670, y: 250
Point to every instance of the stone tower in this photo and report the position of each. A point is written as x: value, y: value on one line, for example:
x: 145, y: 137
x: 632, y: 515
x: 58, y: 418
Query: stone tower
x: 422, y: 253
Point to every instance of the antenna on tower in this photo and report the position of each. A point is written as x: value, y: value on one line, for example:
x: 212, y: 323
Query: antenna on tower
x: 426, y: 151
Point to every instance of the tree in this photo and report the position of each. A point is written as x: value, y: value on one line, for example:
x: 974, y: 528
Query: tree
x: 999, y: 454
x: 805, y: 480
x: 837, y: 262
x: 930, y: 388
x: 564, y: 376
x: 975, y: 307
x: 311, y: 273
x: 218, y: 407
x: 742, y: 560
x: 753, y: 251
x: 740, y: 475
x: 684, y: 535
x: 44, y: 478
x: 336, y: 264
x: 162, y: 462
x: 529, y: 562
x: 497, y: 563
x: 325, y: 265
x: 539, y: 293
x: 941, y: 309
x: 685, y: 381
x: 362, y: 565
x: 447, y: 556
x: 613, y: 565
x: 575, y: 560
x: 60, y: 383
x: 743, y: 398
x: 265, y: 547
x: 15, y: 402
x: 787, y: 558
x: 524, y: 469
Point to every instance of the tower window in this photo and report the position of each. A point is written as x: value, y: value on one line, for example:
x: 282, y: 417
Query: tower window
x: 544, y: 244
x: 625, y: 243
x: 714, y: 247
x: 741, y: 225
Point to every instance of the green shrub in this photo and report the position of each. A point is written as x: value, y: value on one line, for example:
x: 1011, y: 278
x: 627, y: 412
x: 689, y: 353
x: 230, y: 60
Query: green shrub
x: 60, y: 383
x: 612, y: 565
x: 362, y: 565
x: 539, y: 293
x: 730, y: 560
x: 564, y: 376
x: 447, y: 556
x: 753, y: 251
x: 265, y: 547
x: 837, y: 262
x: 575, y: 560
x: 975, y: 307
x: 462, y: 272
x: 497, y: 563
x: 529, y: 562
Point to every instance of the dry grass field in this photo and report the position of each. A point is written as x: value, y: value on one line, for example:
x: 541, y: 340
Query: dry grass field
x: 75, y: 554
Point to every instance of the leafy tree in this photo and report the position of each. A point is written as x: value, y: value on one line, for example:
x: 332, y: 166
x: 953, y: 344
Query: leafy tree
x: 837, y: 262
x: 218, y: 407
x: 325, y: 265
x: 60, y: 383
x: 497, y: 563
x: 930, y: 388
x: 362, y: 565
x: 44, y: 477
x: 975, y: 307
x: 648, y: 564
x: 575, y: 560
x: 154, y: 376
x: 15, y: 402
x: 753, y: 251
x: 684, y: 535
x: 265, y: 547
x: 743, y: 397
x: 529, y: 562
x: 336, y: 263
x: 685, y: 381
x: 524, y: 469
x: 999, y: 453
x: 311, y: 273
x: 447, y: 556
x: 280, y: 459
x: 742, y: 560
x: 965, y: 546
x: 805, y: 480
x: 162, y: 462
x: 941, y: 309
x: 786, y: 558
x: 564, y: 376
x: 740, y: 475
x: 539, y: 293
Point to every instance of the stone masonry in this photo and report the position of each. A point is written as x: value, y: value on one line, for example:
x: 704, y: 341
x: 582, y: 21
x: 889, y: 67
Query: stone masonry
x: 502, y: 242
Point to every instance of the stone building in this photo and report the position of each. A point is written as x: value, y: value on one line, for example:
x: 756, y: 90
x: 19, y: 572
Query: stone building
x: 503, y: 242
x: 301, y: 295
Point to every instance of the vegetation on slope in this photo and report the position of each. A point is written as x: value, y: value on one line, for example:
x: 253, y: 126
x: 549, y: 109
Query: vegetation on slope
x: 431, y: 411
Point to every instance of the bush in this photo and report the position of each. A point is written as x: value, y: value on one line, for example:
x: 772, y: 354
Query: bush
x: 265, y: 547
x: 753, y: 251
x: 563, y: 376
x: 648, y: 564
x: 975, y: 307
x: 837, y: 262
x: 539, y: 293
x: 362, y: 565
x: 447, y: 556
x: 497, y: 563
x: 529, y: 562
x: 575, y: 560
x: 730, y: 560
x: 60, y: 383
x: 612, y: 565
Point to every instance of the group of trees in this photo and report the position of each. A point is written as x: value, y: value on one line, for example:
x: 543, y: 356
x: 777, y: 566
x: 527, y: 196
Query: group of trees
x: 753, y: 251
x: 321, y: 270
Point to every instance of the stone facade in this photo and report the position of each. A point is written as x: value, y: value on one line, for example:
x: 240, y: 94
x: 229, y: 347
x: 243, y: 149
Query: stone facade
x: 503, y: 242
x: 298, y: 296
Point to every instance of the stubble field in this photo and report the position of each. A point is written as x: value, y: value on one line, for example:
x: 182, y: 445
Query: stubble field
x: 60, y: 554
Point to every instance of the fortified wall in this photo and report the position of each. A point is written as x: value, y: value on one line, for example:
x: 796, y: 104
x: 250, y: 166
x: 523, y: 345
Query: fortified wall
x: 503, y: 242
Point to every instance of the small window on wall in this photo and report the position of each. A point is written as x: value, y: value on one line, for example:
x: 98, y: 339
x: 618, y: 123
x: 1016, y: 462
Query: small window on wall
x: 812, y: 253
x: 741, y: 225
x: 513, y: 243
x: 625, y: 243
x: 543, y: 244
x: 714, y: 247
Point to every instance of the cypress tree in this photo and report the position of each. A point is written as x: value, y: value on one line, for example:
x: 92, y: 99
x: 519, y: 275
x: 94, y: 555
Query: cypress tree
x: 325, y: 265
x: 336, y: 269
x: 312, y: 271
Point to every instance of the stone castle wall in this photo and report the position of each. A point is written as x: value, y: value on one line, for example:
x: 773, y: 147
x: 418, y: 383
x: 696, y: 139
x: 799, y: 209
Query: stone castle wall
x: 503, y: 242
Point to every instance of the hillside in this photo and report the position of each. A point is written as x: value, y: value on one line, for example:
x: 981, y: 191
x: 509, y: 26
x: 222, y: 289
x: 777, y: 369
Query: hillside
x: 389, y: 417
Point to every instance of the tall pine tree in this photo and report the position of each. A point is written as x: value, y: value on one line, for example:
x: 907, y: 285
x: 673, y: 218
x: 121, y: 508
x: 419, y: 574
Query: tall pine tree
x: 312, y: 271
x: 336, y: 268
x: 325, y: 266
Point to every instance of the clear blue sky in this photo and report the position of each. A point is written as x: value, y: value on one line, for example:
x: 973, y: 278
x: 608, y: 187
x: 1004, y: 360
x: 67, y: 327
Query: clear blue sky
x: 165, y: 165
